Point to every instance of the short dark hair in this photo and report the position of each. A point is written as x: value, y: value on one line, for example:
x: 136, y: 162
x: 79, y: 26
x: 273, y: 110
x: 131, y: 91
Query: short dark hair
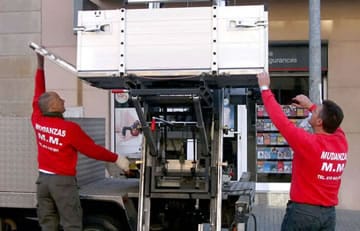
x: 44, y: 101
x: 331, y: 115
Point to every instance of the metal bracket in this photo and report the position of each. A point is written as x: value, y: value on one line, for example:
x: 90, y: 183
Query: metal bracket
x: 247, y: 23
x: 145, y: 126
x: 93, y: 28
x: 200, y: 125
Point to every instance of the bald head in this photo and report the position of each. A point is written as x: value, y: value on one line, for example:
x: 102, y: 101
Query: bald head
x: 51, y: 102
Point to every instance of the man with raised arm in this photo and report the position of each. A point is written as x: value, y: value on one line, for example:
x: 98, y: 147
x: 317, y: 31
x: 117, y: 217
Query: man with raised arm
x: 319, y: 160
x: 59, y: 142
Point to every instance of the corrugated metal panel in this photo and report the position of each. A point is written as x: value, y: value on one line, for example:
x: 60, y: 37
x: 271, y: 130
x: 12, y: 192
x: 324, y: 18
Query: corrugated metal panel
x: 18, y: 158
x: 89, y: 170
x: 17, y: 200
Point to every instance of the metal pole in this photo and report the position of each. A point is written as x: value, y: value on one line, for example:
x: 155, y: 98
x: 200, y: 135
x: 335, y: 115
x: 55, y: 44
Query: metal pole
x: 315, y: 51
x: 153, y: 5
x: 220, y: 2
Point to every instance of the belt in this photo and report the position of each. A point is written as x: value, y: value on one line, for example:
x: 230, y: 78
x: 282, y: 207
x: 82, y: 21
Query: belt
x: 321, y: 206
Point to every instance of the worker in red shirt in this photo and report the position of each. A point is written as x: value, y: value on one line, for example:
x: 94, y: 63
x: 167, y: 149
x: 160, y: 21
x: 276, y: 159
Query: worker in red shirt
x: 319, y: 160
x: 59, y: 142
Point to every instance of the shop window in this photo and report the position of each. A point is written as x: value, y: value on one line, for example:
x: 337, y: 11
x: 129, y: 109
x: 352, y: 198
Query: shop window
x: 273, y: 155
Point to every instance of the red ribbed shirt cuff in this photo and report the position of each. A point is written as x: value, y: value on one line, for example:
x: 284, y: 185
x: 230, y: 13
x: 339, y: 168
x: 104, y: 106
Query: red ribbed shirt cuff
x: 312, y: 108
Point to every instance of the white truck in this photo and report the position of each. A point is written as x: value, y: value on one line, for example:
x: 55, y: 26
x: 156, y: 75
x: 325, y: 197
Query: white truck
x: 173, y: 64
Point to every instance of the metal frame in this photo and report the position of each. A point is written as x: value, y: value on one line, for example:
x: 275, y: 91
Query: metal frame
x: 199, y: 98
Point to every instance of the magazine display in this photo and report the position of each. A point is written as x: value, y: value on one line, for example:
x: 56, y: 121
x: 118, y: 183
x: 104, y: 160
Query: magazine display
x: 273, y: 154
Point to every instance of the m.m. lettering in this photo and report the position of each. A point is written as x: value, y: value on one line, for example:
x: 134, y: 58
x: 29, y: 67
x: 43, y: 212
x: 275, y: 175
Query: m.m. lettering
x: 53, y: 140
x: 329, y: 167
x: 41, y: 136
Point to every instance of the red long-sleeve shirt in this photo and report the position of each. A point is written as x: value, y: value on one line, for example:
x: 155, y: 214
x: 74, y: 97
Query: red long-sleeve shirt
x: 319, y: 159
x: 59, y: 140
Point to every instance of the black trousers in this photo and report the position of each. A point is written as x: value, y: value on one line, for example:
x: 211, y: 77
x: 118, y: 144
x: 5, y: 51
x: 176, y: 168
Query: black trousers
x: 304, y: 217
x: 58, y: 203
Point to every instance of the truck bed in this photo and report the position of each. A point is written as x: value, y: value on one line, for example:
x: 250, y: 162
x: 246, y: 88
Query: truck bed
x: 110, y: 188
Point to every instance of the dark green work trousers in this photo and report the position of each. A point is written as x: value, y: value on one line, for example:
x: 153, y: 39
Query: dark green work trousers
x: 58, y: 200
x: 301, y: 217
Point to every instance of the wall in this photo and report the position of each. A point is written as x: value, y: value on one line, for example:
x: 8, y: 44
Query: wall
x: 19, y: 23
x: 49, y: 23
x: 344, y: 86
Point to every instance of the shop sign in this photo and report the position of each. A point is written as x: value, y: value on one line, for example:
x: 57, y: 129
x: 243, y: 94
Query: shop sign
x: 293, y: 57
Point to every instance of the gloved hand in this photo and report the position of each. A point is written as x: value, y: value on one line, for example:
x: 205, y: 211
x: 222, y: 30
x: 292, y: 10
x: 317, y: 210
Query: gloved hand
x: 123, y: 163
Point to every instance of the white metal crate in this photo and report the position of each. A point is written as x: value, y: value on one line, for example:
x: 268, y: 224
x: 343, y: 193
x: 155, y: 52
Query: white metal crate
x: 173, y: 41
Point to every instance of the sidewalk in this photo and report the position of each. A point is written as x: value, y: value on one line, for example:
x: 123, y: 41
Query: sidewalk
x: 270, y: 218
